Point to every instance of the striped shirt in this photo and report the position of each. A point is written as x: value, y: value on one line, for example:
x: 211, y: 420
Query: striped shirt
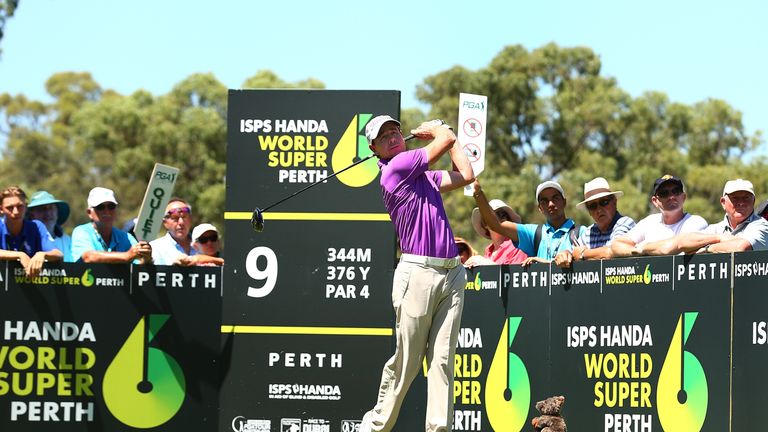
x: 594, y: 238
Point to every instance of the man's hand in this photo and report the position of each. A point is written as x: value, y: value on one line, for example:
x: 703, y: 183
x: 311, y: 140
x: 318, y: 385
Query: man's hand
x: 563, y: 259
x: 142, y: 251
x: 427, y: 129
x: 33, y: 266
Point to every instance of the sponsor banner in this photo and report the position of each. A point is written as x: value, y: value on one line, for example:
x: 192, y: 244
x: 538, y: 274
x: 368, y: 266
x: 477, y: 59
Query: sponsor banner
x: 332, y: 379
x: 82, y: 348
x: 318, y: 280
x: 750, y: 339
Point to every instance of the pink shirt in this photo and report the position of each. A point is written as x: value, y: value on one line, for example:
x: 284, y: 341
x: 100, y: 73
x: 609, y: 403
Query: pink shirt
x: 507, y: 253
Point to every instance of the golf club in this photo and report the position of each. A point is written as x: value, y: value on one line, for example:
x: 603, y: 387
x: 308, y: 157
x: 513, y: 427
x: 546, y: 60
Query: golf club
x: 257, y: 219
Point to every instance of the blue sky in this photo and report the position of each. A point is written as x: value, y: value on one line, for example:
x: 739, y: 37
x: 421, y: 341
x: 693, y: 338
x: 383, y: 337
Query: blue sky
x: 691, y: 50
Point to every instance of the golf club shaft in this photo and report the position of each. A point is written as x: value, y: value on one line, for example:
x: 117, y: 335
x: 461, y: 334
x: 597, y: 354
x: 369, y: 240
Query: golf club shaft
x: 408, y: 138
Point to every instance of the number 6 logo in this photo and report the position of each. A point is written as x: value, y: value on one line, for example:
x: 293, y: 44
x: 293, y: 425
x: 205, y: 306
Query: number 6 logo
x: 268, y: 275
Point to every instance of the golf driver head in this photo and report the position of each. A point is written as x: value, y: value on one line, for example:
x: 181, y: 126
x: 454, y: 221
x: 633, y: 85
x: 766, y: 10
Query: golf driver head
x: 257, y: 220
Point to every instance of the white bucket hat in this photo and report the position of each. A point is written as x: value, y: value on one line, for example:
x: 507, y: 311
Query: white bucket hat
x: 596, y: 189
x: 477, y: 218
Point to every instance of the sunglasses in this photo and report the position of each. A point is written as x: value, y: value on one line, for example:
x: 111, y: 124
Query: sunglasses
x: 664, y: 193
x: 502, y: 215
x: 603, y: 202
x: 206, y: 239
x: 178, y: 213
x: 108, y: 206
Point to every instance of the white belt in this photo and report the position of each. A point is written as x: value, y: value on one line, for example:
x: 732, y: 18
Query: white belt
x: 446, y: 263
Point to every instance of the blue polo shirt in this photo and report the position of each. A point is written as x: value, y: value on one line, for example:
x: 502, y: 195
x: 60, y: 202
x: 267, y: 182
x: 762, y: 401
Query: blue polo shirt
x: 85, y: 238
x: 552, y: 240
x: 34, y: 237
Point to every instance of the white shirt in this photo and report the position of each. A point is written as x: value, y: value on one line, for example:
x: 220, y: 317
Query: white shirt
x: 652, y: 229
x: 165, y: 250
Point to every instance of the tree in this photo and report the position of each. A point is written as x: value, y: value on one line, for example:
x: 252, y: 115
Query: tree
x: 7, y: 8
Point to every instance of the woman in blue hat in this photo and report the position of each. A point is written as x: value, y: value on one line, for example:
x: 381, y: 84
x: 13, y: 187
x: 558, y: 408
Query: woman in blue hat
x: 52, y: 213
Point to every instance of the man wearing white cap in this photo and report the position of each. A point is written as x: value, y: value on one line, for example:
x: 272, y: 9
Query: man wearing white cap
x: 601, y: 203
x: 98, y: 241
x: 740, y: 230
x: 558, y: 234
x: 428, y: 287
x: 668, y: 196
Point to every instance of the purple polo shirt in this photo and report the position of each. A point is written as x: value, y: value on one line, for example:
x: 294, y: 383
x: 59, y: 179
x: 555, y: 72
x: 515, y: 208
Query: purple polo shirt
x: 412, y: 197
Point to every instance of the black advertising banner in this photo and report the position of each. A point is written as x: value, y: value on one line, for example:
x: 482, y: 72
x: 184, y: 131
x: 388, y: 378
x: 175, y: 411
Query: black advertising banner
x: 693, y: 391
x: 110, y: 347
x: 307, y: 308
x: 518, y: 375
x: 750, y: 339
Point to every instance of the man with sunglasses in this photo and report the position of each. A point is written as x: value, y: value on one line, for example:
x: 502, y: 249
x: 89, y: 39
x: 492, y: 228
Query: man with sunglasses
x: 668, y: 195
x: 740, y: 230
x: 98, y: 241
x: 175, y: 247
x: 601, y: 203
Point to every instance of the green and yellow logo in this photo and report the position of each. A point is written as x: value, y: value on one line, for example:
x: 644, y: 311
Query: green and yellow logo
x: 144, y: 387
x: 476, y: 284
x: 682, y: 393
x: 647, y: 275
x: 508, y: 387
x: 87, y: 278
x: 352, y: 147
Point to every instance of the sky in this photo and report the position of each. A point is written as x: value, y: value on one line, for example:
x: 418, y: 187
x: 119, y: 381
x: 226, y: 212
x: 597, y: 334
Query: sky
x: 690, y: 50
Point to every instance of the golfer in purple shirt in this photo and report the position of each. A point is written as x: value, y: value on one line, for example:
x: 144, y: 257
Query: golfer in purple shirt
x: 428, y: 287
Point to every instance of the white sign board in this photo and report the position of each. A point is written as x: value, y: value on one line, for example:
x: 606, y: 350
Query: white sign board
x: 473, y: 116
x: 159, y: 192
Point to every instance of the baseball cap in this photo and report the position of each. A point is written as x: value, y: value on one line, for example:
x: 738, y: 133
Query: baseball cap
x: 202, y: 229
x: 546, y: 185
x: 373, y: 126
x: 738, y: 185
x: 100, y: 195
x: 666, y: 178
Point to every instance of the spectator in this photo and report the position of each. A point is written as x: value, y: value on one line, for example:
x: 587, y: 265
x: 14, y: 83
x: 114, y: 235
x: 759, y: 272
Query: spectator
x: 501, y: 250
x: 98, y: 241
x: 175, y: 247
x: 26, y: 240
x: 466, y: 251
x: 52, y: 213
x: 762, y: 210
x: 595, y: 243
x: 740, y: 230
x: 559, y: 233
x: 668, y: 195
x: 205, y: 240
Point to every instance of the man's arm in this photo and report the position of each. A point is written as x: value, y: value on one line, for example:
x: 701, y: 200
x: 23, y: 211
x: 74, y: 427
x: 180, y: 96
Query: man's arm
x: 35, y: 264
x: 507, y: 228
x: 462, y: 173
x: 443, y: 139
x: 623, y: 247
x: 140, y: 251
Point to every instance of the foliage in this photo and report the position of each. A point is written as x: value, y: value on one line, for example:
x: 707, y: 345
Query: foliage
x: 90, y: 136
x: 7, y: 8
x: 552, y: 114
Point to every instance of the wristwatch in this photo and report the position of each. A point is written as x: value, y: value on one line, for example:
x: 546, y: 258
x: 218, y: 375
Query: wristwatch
x: 706, y: 248
x: 581, y: 255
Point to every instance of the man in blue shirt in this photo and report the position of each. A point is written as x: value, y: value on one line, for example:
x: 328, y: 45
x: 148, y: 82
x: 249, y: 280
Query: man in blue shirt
x: 21, y: 239
x: 559, y: 233
x: 99, y: 242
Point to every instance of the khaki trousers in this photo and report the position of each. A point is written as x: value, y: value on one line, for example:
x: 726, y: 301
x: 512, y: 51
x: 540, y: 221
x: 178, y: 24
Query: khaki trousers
x: 428, y: 302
